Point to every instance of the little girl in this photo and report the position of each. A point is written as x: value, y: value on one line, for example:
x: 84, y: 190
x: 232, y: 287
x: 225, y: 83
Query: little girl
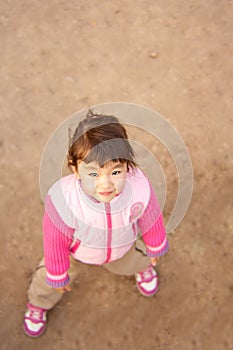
x: 105, y: 213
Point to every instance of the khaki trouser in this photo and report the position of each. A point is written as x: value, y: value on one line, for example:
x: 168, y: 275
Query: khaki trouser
x: 41, y: 295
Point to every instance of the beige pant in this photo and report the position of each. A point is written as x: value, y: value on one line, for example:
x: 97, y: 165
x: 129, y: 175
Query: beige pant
x: 41, y: 295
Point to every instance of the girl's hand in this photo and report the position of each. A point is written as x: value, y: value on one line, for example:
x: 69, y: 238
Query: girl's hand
x: 154, y: 261
x: 66, y: 288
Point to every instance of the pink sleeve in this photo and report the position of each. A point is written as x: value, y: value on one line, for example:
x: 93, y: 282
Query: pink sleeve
x: 56, y: 250
x: 152, y: 228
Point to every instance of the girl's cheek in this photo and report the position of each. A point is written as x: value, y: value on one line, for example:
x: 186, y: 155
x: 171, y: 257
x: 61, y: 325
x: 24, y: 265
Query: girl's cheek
x: 120, y: 185
x: 91, y: 184
x: 88, y: 184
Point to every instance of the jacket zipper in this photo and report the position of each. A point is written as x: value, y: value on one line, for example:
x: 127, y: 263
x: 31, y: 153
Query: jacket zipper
x: 109, y: 232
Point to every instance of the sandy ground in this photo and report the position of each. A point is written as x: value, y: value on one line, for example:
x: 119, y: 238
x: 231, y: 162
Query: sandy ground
x: 59, y: 57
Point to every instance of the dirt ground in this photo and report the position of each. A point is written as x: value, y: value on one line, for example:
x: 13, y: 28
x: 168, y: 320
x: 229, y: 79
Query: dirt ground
x: 175, y: 57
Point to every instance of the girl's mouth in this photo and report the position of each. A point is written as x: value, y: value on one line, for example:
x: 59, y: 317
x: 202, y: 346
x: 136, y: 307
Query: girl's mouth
x: 105, y: 193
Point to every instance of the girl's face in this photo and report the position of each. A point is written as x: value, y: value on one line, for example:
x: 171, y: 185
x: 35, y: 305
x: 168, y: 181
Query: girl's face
x: 102, y: 183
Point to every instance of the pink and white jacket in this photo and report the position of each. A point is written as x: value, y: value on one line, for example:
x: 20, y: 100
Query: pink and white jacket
x: 97, y: 232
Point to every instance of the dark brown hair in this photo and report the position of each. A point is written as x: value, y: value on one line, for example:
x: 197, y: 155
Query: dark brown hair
x: 100, y: 138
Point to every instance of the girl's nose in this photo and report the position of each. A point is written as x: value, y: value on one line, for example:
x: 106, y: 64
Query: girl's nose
x: 105, y: 183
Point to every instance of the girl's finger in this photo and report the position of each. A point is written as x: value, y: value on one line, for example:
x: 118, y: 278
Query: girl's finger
x: 68, y: 288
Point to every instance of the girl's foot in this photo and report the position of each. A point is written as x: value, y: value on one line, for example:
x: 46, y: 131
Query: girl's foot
x: 34, y: 321
x: 147, y: 282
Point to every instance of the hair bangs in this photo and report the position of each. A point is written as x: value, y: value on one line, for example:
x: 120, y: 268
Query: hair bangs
x: 110, y: 150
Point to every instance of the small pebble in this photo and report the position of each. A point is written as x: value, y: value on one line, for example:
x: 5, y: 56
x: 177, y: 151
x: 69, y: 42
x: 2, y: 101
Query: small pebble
x: 153, y: 55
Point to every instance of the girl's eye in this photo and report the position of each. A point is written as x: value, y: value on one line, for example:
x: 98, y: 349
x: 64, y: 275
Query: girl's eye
x: 116, y: 172
x: 93, y: 174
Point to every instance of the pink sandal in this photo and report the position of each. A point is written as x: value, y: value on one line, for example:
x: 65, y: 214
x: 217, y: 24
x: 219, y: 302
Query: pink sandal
x: 34, y: 321
x: 147, y: 282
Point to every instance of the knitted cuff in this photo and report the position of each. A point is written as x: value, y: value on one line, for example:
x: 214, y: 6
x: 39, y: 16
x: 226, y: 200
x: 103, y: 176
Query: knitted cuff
x: 54, y: 283
x: 156, y: 254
